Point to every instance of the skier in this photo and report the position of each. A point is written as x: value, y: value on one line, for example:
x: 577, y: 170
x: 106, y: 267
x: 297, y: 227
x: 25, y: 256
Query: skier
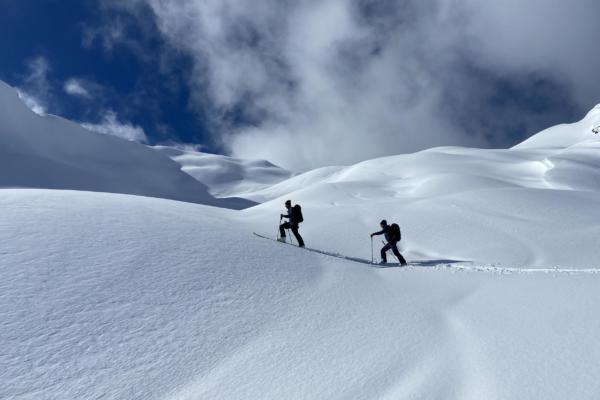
x: 392, y: 239
x: 295, y: 217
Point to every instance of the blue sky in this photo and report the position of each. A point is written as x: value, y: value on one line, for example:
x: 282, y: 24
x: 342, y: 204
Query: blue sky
x: 310, y: 83
x: 122, y: 81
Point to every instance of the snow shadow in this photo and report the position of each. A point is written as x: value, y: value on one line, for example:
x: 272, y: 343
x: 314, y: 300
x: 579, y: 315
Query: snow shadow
x: 435, y: 263
x: 393, y: 264
x: 234, y: 203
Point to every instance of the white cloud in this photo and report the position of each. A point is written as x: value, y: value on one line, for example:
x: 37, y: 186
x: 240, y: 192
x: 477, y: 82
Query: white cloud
x: 192, y: 147
x: 110, y: 125
x: 77, y: 87
x: 107, y: 35
x: 36, y: 89
x: 30, y: 101
x: 39, y: 68
x: 322, y: 82
x: 85, y: 89
x: 558, y: 37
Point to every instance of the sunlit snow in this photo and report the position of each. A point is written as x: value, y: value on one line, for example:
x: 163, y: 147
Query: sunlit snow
x: 133, y: 294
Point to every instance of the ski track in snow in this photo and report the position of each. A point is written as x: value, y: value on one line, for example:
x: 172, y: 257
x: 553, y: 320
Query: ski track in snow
x: 451, y: 265
x: 517, y: 270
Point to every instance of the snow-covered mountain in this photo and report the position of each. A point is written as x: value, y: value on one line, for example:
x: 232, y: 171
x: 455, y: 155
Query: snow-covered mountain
x: 226, y: 176
x: 51, y: 152
x: 566, y: 135
x: 108, y: 295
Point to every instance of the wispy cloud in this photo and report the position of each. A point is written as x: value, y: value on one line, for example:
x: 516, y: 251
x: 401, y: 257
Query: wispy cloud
x: 86, y: 89
x: 322, y: 82
x: 190, y: 147
x: 77, y: 87
x: 107, y: 35
x: 129, y: 29
x: 36, y: 89
x: 33, y: 103
x: 110, y: 125
x: 37, y: 93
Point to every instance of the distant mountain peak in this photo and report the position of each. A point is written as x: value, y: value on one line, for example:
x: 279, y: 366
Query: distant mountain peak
x: 565, y: 135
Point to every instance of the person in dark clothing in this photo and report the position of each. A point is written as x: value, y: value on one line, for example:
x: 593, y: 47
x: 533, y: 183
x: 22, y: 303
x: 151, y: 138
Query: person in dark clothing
x: 392, y: 241
x: 292, y: 224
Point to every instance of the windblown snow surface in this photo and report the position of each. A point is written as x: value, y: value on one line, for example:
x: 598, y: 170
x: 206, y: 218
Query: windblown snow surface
x: 115, y: 296
x: 225, y: 176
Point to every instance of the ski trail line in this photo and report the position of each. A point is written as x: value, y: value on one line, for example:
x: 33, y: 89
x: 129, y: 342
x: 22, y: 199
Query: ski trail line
x: 325, y: 253
x: 454, y: 265
x: 516, y: 270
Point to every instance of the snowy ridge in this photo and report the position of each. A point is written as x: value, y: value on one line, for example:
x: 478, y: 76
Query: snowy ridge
x: 226, y: 176
x: 565, y: 135
x: 51, y: 152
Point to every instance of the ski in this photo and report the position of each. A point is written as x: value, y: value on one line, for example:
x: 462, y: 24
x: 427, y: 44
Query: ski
x: 329, y: 254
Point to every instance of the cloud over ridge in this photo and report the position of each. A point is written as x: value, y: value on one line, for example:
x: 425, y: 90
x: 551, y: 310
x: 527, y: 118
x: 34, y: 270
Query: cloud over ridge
x: 314, y: 83
x: 110, y: 125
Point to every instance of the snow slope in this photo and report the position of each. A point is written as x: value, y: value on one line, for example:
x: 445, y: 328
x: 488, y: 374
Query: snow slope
x: 565, y: 135
x: 532, y: 205
x: 116, y: 296
x: 227, y: 176
x: 51, y: 152
x: 123, y: 297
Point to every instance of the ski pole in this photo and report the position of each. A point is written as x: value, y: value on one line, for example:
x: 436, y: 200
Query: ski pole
x: 280, y: 219
x: 371, y: 249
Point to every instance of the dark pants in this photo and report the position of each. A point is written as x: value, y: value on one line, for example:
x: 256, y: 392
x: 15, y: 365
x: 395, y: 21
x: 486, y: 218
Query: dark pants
x: 392, y: 245
x: 294, y: 228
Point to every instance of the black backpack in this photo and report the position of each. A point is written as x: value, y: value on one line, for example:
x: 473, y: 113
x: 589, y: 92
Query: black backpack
x: 396, y: 235
x: 297, y: 213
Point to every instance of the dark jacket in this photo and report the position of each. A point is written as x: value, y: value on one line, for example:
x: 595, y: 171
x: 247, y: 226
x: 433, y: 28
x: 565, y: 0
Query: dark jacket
x: 387, y: 231
x: 291, y: 216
